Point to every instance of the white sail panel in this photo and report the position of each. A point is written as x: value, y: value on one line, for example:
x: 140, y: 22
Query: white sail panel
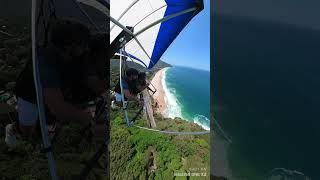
x: 159, y: 21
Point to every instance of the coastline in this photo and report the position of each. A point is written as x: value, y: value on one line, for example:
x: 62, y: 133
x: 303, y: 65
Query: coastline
x: 159, y: 95
x: 167, y: 104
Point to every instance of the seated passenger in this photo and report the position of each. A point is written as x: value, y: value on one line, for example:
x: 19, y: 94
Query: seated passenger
x: 127, y: 82
x: 58, y: 65
x: 140, y: 84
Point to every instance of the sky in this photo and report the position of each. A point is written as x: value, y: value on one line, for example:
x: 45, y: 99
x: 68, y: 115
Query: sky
x: 192, y: 46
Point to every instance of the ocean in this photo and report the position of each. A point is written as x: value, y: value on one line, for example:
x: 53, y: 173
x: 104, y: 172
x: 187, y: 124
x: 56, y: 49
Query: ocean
x: 187, y: 94
x: 266, y: 96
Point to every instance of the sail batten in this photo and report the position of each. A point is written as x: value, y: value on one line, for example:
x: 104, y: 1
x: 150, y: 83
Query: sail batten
x: 156, y: 25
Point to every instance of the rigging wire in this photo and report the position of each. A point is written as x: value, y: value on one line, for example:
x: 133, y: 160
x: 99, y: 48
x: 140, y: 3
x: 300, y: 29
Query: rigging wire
x: 221, y: 130
x: 40, y: 100
x: 131, y: 123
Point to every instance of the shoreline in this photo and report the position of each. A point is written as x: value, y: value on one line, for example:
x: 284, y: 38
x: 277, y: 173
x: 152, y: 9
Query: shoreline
x: 159, y: 95
x: 165, y: 106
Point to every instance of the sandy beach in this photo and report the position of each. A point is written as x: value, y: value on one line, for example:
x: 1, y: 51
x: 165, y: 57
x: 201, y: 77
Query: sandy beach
x: 159, y: 96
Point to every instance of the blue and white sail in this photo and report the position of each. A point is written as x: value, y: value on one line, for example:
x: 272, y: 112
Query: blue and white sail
x: 156, y: 24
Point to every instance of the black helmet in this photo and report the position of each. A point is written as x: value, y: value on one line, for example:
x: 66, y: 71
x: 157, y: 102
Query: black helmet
x: 132, y: 72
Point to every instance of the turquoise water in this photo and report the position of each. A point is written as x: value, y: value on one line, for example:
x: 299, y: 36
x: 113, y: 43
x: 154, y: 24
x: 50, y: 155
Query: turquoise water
x: 188, y: 94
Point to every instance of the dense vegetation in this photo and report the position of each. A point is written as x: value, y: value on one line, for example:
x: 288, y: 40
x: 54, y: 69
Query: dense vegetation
x: 15, y: 48
x: 72, y: 150
x: 142, y: 154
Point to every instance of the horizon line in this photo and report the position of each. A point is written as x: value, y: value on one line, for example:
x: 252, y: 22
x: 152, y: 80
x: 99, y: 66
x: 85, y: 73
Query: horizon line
x: 191, y: 67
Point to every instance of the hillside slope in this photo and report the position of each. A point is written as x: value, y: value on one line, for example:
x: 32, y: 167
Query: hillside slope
x: 142, y: 154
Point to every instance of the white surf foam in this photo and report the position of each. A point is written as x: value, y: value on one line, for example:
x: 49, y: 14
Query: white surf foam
x: 173, y: 108
x: 199, y: 119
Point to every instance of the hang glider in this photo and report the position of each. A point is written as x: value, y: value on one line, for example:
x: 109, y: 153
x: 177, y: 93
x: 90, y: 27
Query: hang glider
x: 155, y: 23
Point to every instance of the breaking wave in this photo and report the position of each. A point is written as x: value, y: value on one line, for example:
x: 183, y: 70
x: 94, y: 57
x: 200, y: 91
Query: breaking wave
x: 203, y: 121
x: 173, y: 108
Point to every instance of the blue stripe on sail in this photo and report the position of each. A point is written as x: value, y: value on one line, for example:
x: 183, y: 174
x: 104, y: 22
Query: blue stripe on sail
x: 170, y: 29
x: 133, y: 57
